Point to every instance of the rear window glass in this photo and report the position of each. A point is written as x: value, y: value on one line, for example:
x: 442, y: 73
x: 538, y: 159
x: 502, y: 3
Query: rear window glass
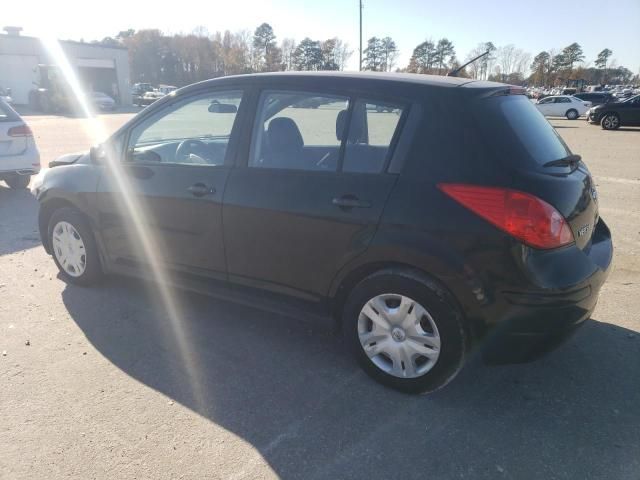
x: 7, y: 113
x: 517, y: 131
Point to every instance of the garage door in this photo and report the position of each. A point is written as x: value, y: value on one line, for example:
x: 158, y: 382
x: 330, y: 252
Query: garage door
x: 17, y: 72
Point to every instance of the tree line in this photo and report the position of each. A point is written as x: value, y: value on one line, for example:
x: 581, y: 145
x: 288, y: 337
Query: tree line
x: 181, y: 59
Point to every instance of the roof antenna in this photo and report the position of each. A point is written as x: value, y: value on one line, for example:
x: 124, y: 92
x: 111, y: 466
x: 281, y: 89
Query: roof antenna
x: 454, y: 73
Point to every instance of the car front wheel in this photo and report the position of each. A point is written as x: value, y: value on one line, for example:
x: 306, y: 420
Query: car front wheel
x: 74, y: 247
x: 572, y: 114
x: 610, y: 121
x: 405, y: 331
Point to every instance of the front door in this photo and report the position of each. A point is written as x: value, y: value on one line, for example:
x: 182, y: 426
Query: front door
x: 170, y: 186
x: 311, y: 192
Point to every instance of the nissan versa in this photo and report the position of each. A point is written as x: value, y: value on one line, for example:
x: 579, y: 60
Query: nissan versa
x: 428, y: 215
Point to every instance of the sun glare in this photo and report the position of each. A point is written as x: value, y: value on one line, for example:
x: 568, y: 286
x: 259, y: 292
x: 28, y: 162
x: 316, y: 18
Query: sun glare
x: 132, y: 210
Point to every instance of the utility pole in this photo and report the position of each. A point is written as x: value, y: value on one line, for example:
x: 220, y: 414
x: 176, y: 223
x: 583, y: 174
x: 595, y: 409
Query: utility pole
x: 360, y: 64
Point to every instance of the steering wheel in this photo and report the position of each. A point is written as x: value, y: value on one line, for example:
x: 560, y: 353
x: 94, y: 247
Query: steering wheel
x: 189, y: 146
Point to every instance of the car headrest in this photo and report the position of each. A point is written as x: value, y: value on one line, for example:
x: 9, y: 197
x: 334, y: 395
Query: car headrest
x: 356, y: 129
x: 283, y: 135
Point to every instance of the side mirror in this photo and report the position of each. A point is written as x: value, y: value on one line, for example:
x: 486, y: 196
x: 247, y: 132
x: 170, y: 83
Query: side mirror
x: 217, y: 107
x: 8, y: 90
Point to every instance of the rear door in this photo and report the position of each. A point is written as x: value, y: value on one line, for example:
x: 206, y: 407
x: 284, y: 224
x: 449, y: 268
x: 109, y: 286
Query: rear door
x: 560, y: 106
x: 175, y: 168
x: 308, y: 193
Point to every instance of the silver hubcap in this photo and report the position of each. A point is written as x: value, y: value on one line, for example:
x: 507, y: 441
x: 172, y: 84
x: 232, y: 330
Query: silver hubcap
x: 399, y: 335
x: 610, y: 121
x: 68, y: 248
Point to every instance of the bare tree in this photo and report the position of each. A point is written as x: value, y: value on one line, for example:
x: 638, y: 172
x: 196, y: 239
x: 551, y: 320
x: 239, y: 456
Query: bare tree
x: 288, y: 46
x: 343, y: 53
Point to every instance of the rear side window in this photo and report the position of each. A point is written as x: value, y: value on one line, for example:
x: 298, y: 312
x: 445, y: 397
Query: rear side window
x: 298, y: 130
x: 371, y: 132
x: 516, y: 132
x: 7, y: 114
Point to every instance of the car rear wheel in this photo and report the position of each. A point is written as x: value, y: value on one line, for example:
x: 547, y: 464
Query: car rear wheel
x: 18, y: 182
x: 572, y: 114
x: 405, y: 332
x: 74, y: 247
x: 610, y: 121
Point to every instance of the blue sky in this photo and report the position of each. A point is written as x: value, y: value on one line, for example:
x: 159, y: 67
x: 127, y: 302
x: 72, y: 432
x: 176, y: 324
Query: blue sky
x: 532, y: 26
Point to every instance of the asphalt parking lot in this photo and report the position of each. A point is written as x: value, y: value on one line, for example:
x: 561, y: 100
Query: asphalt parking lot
x: 93, y: 385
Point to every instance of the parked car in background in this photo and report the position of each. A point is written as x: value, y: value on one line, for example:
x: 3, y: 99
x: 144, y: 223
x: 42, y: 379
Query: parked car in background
x: 596, y: 98
x: 563, y: 106
x: 5, y: 95
x: 166, y: 89
x: 19, y: 156
x: 103, y: 101
x: 138, y: 90
x: 422, y: 242
x: 149, y: 97
x: 616, y: 114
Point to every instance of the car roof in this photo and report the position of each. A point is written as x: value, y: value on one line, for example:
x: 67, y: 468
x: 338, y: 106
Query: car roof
x: 356, y: 77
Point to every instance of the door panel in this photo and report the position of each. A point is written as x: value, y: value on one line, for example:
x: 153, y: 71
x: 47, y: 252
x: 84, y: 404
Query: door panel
x: 630, y: 113
x: 291, y: 217
x: 187, y: 229
x: 284, y: 230
x: 175, y: 168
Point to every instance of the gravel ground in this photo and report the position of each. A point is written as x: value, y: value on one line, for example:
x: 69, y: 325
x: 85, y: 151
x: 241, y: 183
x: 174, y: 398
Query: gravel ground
x: 94, y: 385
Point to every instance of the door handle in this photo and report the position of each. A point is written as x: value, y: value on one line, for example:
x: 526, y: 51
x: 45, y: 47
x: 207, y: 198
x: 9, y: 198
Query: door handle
x: 350, y: 201
x: 200, y: 190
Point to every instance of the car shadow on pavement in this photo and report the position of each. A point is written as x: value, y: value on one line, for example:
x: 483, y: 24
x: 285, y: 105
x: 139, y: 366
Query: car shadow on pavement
x: 18, y: 220
x: 290, y: 389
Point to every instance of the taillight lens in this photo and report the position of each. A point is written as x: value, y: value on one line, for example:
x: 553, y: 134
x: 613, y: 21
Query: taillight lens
x: 522, y: 215
x: 20, y: 131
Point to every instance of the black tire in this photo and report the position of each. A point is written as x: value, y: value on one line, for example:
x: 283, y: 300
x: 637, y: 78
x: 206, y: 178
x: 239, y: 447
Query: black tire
x: 93, y: 269
x: 18, y: 182
x: 443, y: 310
x: 572, y: 114
x: 610, y: 121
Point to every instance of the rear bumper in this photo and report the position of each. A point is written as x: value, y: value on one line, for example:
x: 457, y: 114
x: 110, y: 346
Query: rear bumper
x: 27, y: 163
x: 538, y: 320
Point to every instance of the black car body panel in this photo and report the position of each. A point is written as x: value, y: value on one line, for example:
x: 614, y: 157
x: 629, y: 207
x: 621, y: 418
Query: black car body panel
x: 285, y: 238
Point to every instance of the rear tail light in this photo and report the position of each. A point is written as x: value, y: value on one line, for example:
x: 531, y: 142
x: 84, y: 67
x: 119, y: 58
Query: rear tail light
x: 20, y: 131
x: 524, y: 216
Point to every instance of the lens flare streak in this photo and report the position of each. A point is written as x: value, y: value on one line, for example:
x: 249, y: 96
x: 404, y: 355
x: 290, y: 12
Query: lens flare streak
x: 132, y: 209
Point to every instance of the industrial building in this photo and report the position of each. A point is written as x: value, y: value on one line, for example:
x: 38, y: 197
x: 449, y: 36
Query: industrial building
x: 25, y: 62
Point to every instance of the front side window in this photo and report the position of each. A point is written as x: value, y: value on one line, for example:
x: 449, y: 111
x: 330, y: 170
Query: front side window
x: 563, y: 100
x: 298, y: 130
x: 192, y: 132
x: 371, y: 133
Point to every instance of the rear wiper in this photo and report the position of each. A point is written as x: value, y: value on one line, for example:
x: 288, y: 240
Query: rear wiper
x: 570, y: 161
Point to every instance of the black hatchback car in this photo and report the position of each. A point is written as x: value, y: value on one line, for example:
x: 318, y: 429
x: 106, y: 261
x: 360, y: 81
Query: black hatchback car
x: 428, y: 215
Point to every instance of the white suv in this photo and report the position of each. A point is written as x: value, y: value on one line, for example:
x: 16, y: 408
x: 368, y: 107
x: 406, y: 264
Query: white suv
x: 19, y: 156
